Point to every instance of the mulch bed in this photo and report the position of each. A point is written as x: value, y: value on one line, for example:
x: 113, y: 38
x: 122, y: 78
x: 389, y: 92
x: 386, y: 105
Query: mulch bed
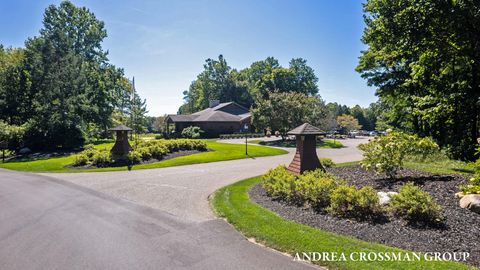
x: 460, y: 231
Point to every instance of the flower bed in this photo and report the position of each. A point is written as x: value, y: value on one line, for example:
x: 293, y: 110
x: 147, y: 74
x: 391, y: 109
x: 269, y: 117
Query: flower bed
x: 145, y: 152
x: 458, y: 231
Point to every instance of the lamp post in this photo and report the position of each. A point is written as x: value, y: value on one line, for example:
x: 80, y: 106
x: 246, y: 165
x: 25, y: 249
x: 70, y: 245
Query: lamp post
x: 245, y: 128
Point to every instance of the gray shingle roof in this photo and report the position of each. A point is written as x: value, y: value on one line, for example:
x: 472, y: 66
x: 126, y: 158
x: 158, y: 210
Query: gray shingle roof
x: 215, y: 114
x: 306, y: 129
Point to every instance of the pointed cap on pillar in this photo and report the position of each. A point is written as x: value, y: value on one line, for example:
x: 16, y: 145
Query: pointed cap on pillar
x: 121, y: 128
x: 306, y: 129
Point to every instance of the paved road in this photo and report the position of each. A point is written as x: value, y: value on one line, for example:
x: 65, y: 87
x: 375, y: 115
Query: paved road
x: 183, y: 191
x: 51, y: 224
x: 146, y: 219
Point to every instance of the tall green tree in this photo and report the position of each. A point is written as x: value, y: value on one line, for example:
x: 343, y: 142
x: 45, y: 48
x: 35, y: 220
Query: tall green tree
x: 61, y: 86
x: 283, y: 111
x: 423, y: 58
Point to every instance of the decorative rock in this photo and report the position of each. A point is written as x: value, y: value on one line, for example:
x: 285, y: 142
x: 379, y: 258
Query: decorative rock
x: 384, y: 197
x: 24, y: 151
x: 471, y: 202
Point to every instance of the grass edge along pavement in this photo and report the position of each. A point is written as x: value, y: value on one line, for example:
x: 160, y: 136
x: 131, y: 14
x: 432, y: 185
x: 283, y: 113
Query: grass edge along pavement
x: 218, y: 152
x: 232, y: 202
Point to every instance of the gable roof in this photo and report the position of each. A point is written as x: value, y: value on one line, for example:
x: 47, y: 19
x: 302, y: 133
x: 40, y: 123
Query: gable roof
x: 306, y: 129
x: 223, y: 112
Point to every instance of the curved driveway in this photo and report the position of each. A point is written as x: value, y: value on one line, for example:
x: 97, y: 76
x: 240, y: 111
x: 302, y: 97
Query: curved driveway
x: 183, y: 190
x: 145, y: 219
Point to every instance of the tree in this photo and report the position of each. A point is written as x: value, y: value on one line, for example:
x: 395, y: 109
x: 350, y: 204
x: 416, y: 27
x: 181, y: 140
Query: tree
x: 61, y: 87
x: 246, y: 86
x: 423, y: 59
x: 348, y: 122
x: 284, y: 111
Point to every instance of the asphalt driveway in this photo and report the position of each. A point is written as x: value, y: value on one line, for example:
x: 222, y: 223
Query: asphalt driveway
x: 145, y: 219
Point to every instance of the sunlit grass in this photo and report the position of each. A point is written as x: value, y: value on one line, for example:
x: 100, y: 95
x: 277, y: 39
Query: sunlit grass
x: 217, y: 152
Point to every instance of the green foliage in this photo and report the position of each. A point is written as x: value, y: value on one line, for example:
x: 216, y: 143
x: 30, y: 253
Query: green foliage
x: 283, y: 111
x: 101, y: 158
x: 315, y: 187
x: 158, y: 136
x: 473, y: 186
x: 348, y: 122
x: 386, y: 154
x: 322, y: 190
x: 192, y: 132
x: 12, y: 135
x: 280, y: 183
x: 134, y: 157
x: 61, y: 86
x: 423, y: 59
x: 415, y: 204
x: 327, y: 162
x: 219, y: 81
x: 348, y: 201
x: 145, y: 150
x: 81, y: 160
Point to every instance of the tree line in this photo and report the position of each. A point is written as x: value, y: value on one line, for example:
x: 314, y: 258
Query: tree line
x: 280, y: 98
x: 60, y: 90
x: 424, y: 59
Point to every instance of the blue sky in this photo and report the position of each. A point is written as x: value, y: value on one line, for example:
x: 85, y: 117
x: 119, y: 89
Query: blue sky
x: 164, y: 43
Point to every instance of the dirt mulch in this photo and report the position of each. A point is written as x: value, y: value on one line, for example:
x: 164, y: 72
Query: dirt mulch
x: 460, y: 231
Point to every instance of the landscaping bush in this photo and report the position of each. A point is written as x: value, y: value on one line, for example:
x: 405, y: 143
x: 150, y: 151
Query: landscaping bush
x: 158, y: 136
x: 327, y: 162
x: 474, y: 185
x: 280, y: 183
x: 415, y: 204
x: 101, y: 158
x: 386, y: 154
x: 12, y: 135
x: 81, y: 160
x: 134, y: 157
x: 348, y: 201
x: 192, y: 132
x: 145, y: 150
x: 315, y: 188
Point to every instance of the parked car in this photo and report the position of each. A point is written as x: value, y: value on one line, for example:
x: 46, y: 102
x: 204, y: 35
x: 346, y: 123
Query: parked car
x: 373, y: 133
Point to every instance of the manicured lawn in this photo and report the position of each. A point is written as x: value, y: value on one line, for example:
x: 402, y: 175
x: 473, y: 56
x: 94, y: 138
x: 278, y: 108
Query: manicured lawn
x: 232, y: 202
x: 217, y: 152
x: 289, y: 143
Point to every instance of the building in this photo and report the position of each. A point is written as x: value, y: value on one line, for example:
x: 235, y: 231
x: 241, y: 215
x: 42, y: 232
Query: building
x: 219, y: 118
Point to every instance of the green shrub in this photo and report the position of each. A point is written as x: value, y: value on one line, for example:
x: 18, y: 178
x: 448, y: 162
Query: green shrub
x: 280, y: 183
x: 81, y: 160
x: 327, y: 162
x: 101, y: 158
x: 315, y: 188
x: 348, y: 201
x: 12, y: 135
x: 415, y: 204
x: 134, y: 157
x: 88, y: 146
x: 386, y: 154
x: 192, y: 132
x: 158, y: 136
x: 342, y: 200
x: 368, y: 203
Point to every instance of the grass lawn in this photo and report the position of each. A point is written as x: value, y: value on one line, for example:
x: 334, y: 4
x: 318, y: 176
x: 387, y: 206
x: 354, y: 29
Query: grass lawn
x: 289, y: 143
x: 218, y: 152
x: 232, y: 202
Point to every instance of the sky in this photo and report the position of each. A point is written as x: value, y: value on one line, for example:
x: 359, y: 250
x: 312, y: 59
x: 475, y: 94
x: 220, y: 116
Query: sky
x: 164, y: 44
